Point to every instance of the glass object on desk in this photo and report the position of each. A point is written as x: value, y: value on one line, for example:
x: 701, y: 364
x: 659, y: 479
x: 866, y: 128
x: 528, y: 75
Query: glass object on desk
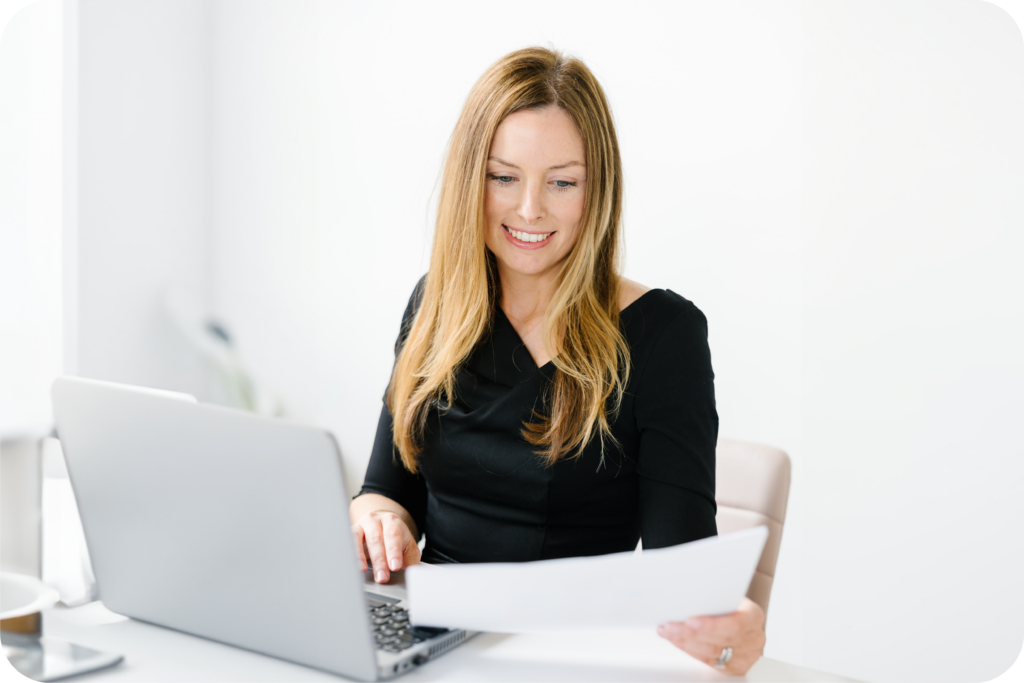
x: 42, y: 658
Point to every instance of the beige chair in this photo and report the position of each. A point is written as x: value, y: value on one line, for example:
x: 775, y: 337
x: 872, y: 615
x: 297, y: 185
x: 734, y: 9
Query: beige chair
x: 752, y: 488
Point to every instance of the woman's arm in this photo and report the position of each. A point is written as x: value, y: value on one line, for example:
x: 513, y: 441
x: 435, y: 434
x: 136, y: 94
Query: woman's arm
x: 386, y: 531
x: 388, y: 512
x: 385, y: 535
x: 678, y: 420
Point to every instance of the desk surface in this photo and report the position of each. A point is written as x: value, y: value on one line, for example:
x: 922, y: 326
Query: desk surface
x: 152, y: 653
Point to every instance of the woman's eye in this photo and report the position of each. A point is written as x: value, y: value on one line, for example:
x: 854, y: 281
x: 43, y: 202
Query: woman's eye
x: 502, y: 179
x: 564, y: 184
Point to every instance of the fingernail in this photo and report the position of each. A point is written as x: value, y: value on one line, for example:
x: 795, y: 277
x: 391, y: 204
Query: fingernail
x: 381, y: 576
x: 662, y: 631
x: 694, y: 623
x: 395, y: 563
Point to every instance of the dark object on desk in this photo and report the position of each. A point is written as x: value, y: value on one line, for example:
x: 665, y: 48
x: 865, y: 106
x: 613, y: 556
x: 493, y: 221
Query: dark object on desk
x: 49, y: 659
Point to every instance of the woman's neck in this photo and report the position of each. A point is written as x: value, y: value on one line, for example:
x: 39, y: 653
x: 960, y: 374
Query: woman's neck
x: 525, y: 298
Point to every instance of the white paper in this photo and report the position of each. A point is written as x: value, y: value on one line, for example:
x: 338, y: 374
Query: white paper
x: 624, y: 590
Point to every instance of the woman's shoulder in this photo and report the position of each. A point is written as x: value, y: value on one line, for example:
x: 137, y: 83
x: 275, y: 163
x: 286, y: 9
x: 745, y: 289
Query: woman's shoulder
x: 663, y: 303
x: 668, y: 338
x: 629, y: 292
x: 660, y: 313
x: 415, y: 299
x: 411, y: 308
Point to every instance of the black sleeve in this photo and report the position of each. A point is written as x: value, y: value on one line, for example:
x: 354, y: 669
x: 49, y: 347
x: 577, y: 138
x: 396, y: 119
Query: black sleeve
x: 678, y: 424
x: 385, y: 473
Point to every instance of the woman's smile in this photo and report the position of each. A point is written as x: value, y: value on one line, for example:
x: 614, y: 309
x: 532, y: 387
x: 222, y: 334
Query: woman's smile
x: 527, y: 239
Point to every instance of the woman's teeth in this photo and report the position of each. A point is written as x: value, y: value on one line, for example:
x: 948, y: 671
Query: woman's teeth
x: 527, y: 237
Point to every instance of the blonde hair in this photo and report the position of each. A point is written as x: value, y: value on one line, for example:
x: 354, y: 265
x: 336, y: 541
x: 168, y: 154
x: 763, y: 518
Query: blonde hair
x: 581, y: 325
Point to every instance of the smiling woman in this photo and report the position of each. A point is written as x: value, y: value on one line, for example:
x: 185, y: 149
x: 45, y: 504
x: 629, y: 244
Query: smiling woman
x: 541, y: 405
x: 533, y: 207
x: 531, y: 201
x: 531, y: 119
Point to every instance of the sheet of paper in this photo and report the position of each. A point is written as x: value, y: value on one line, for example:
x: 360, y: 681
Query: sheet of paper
x: 624, y: 590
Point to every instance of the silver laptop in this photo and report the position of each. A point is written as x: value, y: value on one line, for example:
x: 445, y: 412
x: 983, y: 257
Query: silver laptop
x: 230, y: 526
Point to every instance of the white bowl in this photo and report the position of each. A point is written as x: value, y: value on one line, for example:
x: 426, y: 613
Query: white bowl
x: 21, y: 595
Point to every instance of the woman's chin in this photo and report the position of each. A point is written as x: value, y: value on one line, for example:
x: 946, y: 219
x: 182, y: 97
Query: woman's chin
x: 525, y: 266
x: 515, y: 261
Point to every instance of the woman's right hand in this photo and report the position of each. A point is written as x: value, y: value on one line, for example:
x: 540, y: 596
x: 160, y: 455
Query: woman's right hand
x: 383, y: 540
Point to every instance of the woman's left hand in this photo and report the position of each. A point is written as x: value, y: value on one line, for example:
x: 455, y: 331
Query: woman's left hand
x: 705, y: 637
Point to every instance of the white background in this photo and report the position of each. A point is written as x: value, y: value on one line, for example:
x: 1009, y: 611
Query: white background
x: 30, y: 218
x: 837, y: 186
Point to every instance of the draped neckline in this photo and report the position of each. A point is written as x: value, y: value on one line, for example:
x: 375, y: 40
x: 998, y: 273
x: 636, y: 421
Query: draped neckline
x: 519, y: 349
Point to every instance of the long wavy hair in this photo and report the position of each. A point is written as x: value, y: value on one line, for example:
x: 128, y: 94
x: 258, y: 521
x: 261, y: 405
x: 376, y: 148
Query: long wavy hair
x: 581, y: 324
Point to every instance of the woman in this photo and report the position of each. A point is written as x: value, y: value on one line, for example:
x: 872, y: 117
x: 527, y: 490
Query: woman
x: 541, y: 405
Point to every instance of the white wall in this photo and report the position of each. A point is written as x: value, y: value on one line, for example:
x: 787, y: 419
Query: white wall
x: 266, y: 153
x: 30, y: 218
x: 913, y: 310
x: 835, y: 185
x: 143, y: 186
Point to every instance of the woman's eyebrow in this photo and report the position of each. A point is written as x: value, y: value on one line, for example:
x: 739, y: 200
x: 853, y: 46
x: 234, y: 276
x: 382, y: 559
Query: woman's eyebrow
x: 550, y: 168
x: 502, y: 162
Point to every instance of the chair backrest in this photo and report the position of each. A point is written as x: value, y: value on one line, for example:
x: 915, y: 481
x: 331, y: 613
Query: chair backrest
x: 751, y: 489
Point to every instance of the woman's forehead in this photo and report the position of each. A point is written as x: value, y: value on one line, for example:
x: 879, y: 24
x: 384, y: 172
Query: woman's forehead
x: 538, y: 138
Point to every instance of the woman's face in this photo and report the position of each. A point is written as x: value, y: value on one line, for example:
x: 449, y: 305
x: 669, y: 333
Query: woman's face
x: 536, y: 183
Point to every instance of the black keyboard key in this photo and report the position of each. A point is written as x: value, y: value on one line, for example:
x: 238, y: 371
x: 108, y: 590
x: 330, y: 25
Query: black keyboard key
x: 426, y: 632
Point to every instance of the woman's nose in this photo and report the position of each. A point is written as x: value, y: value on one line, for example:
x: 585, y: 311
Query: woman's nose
x: 531, y: 207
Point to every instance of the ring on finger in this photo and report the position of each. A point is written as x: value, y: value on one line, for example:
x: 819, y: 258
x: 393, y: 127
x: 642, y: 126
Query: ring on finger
x: 723, y: 658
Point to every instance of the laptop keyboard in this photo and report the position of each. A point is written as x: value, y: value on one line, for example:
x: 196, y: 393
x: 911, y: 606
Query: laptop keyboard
x: 392, y: 630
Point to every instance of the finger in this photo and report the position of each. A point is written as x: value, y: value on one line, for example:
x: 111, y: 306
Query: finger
x: 753, y: 638
x: 375, y: 547
x: 748, y: 646
x: 682, y: 636
x: 743, y: 656
x: 395, y: 536
x: 357, y: 536
x: 412, y: 552
x: 727, y: 628
x: 684, y: 639
x: 748, y: 618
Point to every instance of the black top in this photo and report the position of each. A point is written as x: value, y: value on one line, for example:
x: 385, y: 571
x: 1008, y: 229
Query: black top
x: 483, y: 495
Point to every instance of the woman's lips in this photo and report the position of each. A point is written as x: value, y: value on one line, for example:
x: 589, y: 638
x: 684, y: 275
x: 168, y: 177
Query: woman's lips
x: 525, y: 245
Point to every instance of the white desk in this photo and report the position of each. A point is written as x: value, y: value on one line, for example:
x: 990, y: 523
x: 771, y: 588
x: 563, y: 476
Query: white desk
x: 152, y: 653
